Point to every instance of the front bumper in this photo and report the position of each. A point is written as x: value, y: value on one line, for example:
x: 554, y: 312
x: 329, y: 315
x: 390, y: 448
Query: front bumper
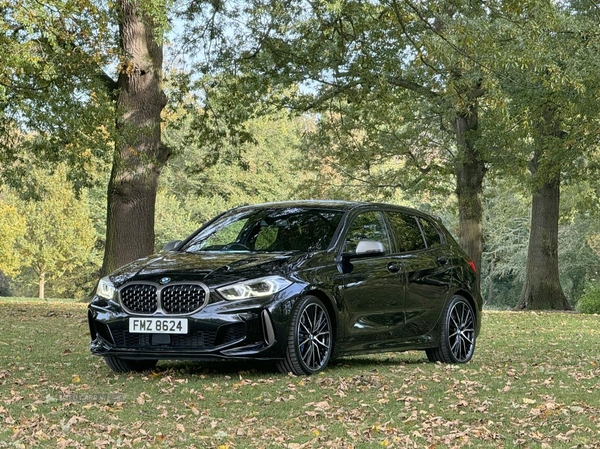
x: 221, y: 330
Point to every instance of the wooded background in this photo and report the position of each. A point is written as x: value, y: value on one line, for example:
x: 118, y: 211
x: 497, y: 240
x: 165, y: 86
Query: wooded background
x: 125, y: 125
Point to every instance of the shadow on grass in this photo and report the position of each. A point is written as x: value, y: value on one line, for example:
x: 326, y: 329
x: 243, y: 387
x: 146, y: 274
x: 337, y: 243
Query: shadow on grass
x: 240, y: 367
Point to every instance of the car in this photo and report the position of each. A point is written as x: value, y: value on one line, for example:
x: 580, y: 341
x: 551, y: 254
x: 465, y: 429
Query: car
x: 297, y: 283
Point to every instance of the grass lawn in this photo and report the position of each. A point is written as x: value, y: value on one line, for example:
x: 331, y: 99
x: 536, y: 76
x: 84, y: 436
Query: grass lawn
x: 534, y: 383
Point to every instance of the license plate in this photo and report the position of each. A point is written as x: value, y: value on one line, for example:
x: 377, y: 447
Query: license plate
x: 158, y: 325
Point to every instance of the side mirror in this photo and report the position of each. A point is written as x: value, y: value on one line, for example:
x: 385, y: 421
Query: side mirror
x: 369, y: 248
x: 171, y: 245
x: 366, y: 248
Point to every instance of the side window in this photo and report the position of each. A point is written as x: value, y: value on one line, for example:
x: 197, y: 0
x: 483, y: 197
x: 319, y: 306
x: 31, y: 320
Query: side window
x: 432, y: 235
x: 367, y: 226
x: 406, y: 232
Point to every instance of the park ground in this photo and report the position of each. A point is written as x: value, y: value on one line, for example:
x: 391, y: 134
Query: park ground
x: 534, y: 383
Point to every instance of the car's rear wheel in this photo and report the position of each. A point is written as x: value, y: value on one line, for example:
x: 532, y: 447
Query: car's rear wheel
x: 457, y: 339
x: 310, y: 339
x: 120, y: 365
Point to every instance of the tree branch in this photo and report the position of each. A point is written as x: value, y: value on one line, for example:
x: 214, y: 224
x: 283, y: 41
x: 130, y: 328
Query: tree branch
x: 401, y: 82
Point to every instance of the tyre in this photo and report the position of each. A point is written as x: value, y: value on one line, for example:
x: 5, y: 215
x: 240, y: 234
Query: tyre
x: 120, y: 365
x: 457, y: 339
x: 310, y: 339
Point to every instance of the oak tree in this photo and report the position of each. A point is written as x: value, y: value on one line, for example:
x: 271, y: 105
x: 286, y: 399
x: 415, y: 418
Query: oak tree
x: 549, y: 81
x: 57, y: 84
x: 354, y: 61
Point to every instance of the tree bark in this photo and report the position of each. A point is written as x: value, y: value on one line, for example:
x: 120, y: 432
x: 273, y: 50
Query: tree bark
x: 542, y: 289
x: 470, y: 172
x: 490, y: 293
x: 42, y: 285
x: 139, y: 153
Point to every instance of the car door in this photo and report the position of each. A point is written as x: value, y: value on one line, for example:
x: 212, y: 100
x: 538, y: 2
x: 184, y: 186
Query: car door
x: 373, y: 295
x: 423, y: 269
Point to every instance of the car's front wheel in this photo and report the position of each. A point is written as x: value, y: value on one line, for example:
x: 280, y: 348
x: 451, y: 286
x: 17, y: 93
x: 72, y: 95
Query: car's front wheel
x: 457, y: 339
x: 310, y: 339
x: 120, y: 365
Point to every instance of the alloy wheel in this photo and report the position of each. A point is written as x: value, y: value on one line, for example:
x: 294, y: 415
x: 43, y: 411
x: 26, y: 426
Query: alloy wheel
x: 314, y: 337
x: 461, y: 331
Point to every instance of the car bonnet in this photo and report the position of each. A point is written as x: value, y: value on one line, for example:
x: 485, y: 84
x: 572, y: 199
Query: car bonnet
x: 211, y: 268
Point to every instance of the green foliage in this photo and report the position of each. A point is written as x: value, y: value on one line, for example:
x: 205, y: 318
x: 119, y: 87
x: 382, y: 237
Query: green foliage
x: 173, y: 219
x: 590, y: 300
x: 506, y: 233
x: 4, y: 285
x: 58, y: 239
x: 52, y: 88
x: 264, y: 169
x: 408, y: 93
x: 506, y: 227
x: 385, y: 81
x: 12, y: 228
x: 544, y: 58
x: 579, y: 258
x: 32, y: 225
x: 372, y: 156
x: 384, y: 85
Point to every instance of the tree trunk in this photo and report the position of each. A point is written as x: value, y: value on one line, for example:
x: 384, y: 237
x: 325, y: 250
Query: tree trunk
x: 470, y: 171
x: 139, y: 152
x: 542, y: 289
x: 42, y: 285
x: 490, y: 294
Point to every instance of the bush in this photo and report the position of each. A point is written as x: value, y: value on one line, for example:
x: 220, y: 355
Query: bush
x: 590, y: 300
x: 4, y: 285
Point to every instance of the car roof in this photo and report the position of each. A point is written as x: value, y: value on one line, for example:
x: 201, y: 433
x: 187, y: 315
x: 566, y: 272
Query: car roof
x: 341, y: 205
x: 323, y: 204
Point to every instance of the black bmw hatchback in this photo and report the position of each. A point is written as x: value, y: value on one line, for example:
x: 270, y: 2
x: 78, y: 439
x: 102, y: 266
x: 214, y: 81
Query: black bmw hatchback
x: 298, y: 283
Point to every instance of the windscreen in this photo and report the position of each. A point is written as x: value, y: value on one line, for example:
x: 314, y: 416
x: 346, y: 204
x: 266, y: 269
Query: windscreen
x: 269, y: 230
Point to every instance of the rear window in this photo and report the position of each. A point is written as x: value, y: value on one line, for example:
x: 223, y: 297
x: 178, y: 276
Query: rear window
x: 431, y: 233
x: 407, y: 234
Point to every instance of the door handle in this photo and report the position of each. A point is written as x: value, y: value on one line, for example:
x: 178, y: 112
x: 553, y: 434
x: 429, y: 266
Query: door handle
x: 393, y: 267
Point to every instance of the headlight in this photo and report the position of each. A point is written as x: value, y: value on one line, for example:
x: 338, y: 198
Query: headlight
x: 105, y: 288
x: 255, y: 288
